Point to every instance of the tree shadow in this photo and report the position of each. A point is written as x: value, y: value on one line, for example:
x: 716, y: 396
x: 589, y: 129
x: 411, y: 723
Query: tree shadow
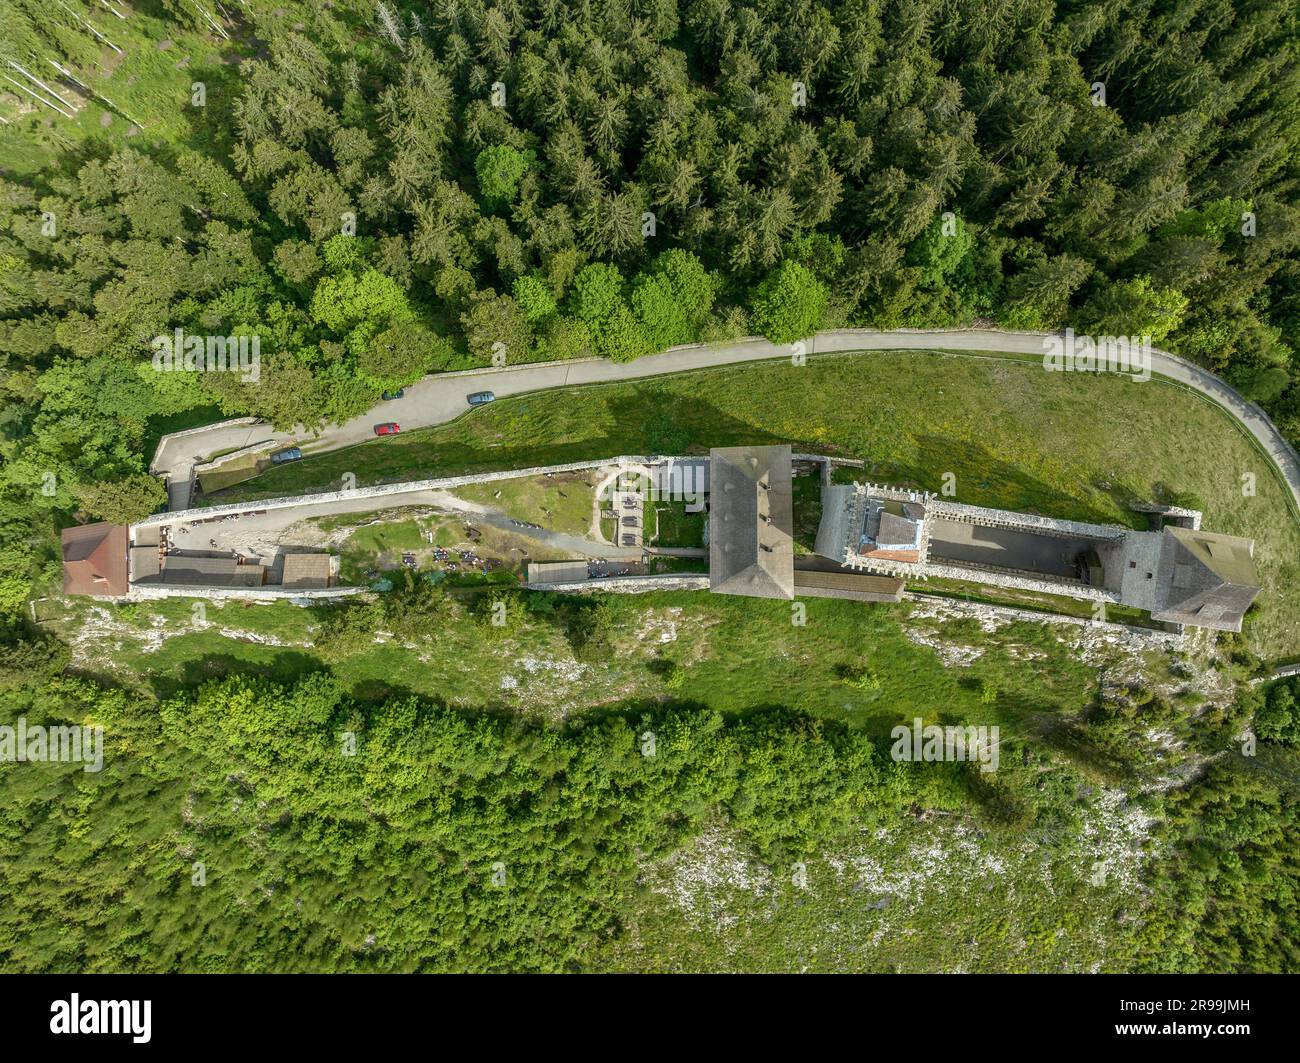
x: 378, y: 691
x: 288, y: 666
x: 642, y: 422
x: 212, y: 126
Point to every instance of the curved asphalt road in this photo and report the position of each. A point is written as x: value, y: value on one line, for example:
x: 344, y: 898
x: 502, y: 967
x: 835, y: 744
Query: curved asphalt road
x: 441, y: 397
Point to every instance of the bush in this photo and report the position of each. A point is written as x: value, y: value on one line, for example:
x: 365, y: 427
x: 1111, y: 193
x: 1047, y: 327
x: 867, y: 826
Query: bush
x: 500, y: 611
x: 590, y: 630
x: 788, y: 304
x: 1278, y: 718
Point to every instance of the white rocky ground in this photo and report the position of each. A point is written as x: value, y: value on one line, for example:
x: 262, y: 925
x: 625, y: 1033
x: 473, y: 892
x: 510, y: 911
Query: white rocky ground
x: 701, y: 878
x: 902, y: 879
x: 1125, y: 654
x: 101, y: 636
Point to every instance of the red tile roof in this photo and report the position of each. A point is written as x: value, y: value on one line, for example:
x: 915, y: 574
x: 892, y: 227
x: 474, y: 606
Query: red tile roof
x: 94, y: 560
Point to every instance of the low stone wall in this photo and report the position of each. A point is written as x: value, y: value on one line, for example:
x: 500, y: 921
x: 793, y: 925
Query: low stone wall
x: 408, y: 487
x: 1169, y: 639
x: 996, y: 577
x: 628, y: 584
x: 384, y: 490
x: 1005, y: 518
x: 1185, y: 518
x: 225, y: 459
x: 153, y: 463
x: 857, y: 463
x: 261, y: 594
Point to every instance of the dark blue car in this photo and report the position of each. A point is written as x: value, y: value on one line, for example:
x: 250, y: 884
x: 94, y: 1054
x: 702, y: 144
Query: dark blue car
x: 395, y: 394
x: 480, y: 397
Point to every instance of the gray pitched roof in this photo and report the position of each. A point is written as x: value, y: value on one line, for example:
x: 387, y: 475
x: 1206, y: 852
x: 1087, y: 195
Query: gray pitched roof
x: 204, y: 571
x: 837, y: 514
x: 751, y: 522
x: 1206, y: 579
x: 819, y: 583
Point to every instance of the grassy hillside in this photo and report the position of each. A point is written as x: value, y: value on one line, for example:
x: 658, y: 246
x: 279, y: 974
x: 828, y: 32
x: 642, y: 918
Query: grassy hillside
x: 998, y: 872
x: 859, y: 668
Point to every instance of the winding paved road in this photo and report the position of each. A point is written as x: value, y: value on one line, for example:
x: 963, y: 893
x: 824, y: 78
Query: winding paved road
x: 441, y: 397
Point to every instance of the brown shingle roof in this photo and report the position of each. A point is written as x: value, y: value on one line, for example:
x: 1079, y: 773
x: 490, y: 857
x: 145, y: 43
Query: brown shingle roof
x: 818, y: 583
x: 307, y: 571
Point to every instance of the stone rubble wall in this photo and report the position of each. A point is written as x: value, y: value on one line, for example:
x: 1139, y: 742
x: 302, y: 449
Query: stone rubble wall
x: 1178, y: 513
x: 1032, y: 522
x: 992, y: 611
x: 628, y: 584
x: 384, y: 490
x: 264, y: 594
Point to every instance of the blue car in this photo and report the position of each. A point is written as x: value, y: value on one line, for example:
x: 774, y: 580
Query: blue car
x: 480, y: 397
x: 282, y: 456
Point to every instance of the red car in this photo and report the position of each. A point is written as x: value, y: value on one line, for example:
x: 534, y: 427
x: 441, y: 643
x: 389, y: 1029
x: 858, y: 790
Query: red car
x: 388, y: 429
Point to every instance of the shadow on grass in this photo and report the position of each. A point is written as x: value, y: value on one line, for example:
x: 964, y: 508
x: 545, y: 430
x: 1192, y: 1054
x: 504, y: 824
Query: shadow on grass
x: 213, y: 126
x: 647, y: 421
x: 986, y: 480
x: 287, y: 667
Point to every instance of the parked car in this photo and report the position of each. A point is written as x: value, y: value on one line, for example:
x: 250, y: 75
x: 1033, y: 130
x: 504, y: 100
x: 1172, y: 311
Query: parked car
x: 282, y: 456
x: 630, y: 522
x: 629, y: 540
x: 389, y: 428
x: 479, y: 398
x: 395, y: 394
x: 629, y: 502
